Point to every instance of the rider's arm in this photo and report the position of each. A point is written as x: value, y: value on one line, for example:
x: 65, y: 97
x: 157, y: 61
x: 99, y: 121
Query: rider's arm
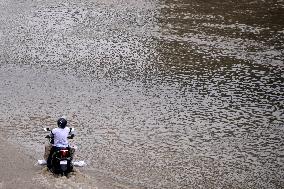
x: 72, y: 133
x: 51, y: 133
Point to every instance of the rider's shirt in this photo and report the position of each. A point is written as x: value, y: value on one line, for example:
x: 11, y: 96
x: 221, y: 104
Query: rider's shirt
x: 60, y: 136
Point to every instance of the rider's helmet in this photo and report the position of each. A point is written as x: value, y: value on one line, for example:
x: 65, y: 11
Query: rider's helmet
x: 62, y: 122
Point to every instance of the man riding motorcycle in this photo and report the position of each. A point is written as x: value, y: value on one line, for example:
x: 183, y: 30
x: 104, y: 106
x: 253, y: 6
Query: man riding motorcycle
x: 60, y: 139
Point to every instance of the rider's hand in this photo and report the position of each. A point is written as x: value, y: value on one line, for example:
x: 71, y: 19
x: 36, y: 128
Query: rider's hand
x: 71, y: 137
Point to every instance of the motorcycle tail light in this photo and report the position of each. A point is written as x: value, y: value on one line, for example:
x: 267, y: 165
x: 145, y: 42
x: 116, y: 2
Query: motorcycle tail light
x: 64, y: 153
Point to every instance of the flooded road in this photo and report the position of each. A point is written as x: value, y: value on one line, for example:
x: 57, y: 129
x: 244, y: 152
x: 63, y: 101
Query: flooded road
x: 163, y: 94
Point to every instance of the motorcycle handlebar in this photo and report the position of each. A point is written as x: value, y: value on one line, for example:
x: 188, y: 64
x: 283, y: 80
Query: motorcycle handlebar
x: 69, y: 137
x: 47, y: 136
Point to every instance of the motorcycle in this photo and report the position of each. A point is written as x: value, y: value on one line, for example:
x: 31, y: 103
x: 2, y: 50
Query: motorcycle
x: 61, y: 158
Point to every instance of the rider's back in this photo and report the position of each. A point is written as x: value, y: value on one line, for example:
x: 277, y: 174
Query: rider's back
x: 60, y: 136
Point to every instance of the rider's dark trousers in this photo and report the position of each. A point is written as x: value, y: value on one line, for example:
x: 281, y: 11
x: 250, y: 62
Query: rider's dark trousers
x: 52, y: 150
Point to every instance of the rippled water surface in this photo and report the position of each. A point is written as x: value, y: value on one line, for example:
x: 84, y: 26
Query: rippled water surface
x: 163, y: 94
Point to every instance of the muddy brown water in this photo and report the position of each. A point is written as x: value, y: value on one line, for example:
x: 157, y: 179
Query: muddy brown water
x: 162, y: 94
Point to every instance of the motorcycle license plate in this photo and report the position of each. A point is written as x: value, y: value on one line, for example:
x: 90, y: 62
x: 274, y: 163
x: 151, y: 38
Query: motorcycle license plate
x: 63, y: 162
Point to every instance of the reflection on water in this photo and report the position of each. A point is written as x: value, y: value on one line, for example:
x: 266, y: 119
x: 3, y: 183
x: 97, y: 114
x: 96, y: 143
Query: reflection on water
x: 163, y: 94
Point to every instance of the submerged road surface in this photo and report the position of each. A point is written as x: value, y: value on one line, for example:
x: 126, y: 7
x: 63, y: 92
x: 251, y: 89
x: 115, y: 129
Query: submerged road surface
x: 162, y: 94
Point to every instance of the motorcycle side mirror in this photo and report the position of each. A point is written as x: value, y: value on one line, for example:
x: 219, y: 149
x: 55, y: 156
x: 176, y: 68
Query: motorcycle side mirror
x: 46, y: 129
